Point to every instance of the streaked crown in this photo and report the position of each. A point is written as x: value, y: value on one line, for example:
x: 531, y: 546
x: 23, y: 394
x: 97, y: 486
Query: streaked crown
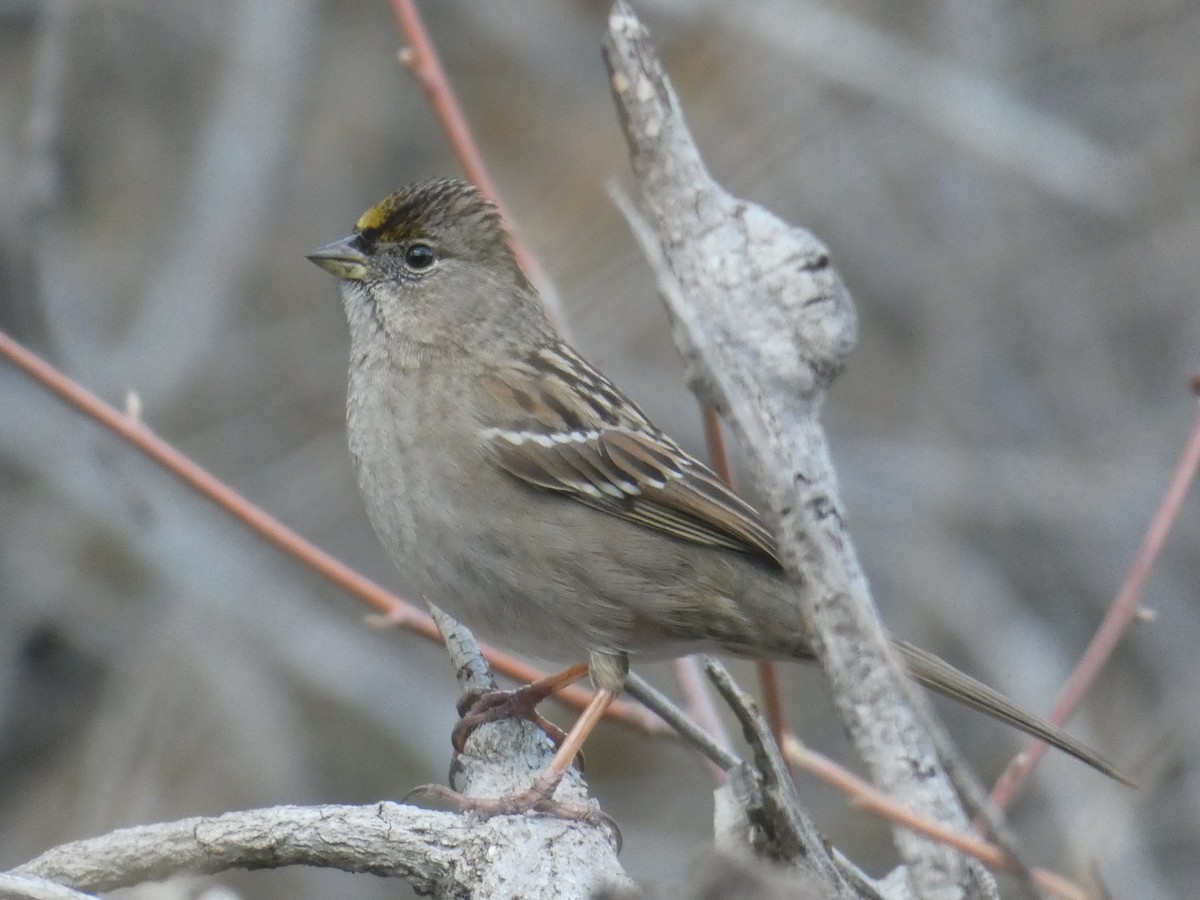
x: 429, y: 208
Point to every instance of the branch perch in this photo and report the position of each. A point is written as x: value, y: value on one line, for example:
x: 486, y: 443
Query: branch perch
x: 764, y: 324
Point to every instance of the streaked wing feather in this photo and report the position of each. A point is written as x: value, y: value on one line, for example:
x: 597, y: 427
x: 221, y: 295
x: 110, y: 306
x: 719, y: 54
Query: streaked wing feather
x: 585, y: 457
x: 608, y: 456
x: 701, y: 494
x: 683, y: 526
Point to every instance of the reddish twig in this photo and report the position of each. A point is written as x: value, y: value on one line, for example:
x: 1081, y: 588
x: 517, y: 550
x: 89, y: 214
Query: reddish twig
x: 865, y: 795
x: 714, y: 439
x: 772, y: 698
x: 768, y: 673
x: 697, y: 697
x: 394, y: 609
x: 1121, y: 614
x: 421, y: 58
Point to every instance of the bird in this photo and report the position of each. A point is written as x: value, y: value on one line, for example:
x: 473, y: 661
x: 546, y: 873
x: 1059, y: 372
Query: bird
x: 517, y: 488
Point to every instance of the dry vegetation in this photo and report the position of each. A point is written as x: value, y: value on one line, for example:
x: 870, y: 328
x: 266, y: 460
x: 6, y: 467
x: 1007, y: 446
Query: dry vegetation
x: 1010, y: 191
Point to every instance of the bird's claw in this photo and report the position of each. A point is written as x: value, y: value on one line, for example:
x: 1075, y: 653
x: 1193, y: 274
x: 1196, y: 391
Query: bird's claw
x: 492, y: 706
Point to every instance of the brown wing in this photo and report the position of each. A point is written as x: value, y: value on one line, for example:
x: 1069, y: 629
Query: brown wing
x: 564, y: 427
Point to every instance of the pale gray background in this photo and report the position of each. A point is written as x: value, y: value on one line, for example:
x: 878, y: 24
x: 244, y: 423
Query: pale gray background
x: 1009, y: 189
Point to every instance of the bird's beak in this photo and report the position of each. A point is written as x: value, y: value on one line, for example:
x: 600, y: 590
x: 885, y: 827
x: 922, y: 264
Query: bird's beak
x: 342, y: 258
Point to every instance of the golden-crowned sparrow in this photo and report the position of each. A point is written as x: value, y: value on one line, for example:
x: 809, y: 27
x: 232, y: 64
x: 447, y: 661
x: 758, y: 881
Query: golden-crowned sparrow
x: 522, y: 492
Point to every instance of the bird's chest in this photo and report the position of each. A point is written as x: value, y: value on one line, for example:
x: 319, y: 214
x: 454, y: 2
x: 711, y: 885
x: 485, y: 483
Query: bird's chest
x: 384, y: 432
x: 406, y: 447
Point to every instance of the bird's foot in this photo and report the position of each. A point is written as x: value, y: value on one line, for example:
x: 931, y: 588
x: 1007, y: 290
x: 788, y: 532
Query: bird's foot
x: 492, y: 706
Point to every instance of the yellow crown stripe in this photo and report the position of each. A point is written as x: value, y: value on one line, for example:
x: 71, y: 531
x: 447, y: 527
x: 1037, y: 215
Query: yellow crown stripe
x: 382, y: 222
x: 376, y: 217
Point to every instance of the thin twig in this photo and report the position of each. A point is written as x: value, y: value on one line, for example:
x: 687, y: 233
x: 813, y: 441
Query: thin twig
x: 714, y: 438
x: 421, y: 58
x: 699, y: 705
x: 768, y: 674
x: 772, y: 697
x: 1120, y: 616
x: 654, y: 699
x: 783, y: 829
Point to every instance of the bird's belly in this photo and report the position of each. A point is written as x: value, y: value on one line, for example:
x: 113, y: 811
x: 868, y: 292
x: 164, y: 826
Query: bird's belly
x: 555, y: 579
x: 539, y: 573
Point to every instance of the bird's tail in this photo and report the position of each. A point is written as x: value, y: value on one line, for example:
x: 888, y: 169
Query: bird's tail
x: 938, y: 675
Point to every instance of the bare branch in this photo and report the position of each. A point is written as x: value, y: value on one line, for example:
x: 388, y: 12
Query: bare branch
x: 764, y: 324
x: 436, y: 852
x: 714, y: 750
x: 27, y: 887
x: 782, y: 830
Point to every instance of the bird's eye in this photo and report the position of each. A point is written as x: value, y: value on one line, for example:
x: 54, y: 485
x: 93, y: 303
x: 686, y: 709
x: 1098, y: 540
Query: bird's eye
x: 419, y: 256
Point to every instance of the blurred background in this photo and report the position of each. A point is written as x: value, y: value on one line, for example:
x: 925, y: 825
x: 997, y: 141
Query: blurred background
x: 1010, y: 190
